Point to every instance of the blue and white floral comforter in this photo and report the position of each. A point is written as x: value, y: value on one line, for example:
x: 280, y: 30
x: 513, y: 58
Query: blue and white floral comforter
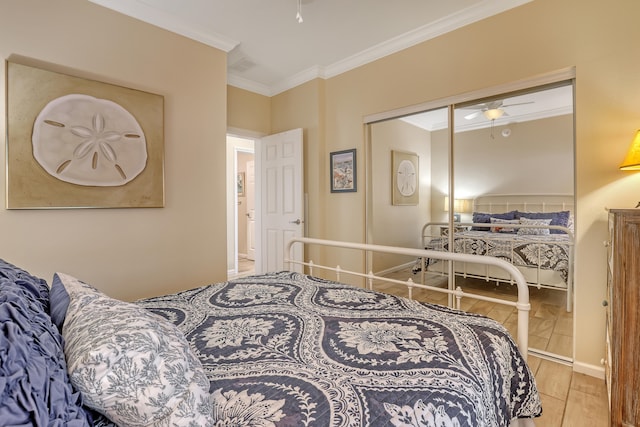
x: 547, y: 252
x: 285, y: 349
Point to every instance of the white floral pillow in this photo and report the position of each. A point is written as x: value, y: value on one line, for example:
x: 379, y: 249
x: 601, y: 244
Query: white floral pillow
x: 497, y: 225
x: 534, y: 231
x: 131, y: 365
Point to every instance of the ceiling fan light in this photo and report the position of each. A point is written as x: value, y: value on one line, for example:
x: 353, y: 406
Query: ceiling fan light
x: 494, y: 113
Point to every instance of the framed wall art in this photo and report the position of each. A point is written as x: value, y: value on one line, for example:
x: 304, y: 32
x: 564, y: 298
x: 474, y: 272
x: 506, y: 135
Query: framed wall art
x: 343, y: 171
x: 404, y: 179
x: 79, y: 143
x: 240, y: 184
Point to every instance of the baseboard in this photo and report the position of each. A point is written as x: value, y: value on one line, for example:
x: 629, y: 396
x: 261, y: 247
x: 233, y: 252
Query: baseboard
x: 588, y: 369
x: 394, y: 269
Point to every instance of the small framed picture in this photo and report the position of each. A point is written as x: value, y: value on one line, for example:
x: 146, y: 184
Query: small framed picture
x: 343, y: 171
x: 240, y: 183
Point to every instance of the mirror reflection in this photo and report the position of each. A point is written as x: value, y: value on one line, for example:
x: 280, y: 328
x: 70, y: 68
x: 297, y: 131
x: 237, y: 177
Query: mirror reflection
x: 510, y: 159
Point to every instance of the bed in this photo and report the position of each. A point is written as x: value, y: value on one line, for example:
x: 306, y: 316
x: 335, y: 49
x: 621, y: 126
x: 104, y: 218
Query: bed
x: 533, y: 232
x: 279, y: 349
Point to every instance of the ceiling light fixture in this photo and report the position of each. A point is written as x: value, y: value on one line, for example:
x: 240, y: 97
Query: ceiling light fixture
x: 494, y: 113
x: 299, y: 14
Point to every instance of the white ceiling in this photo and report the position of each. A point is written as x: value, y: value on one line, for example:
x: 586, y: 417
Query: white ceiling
x: 269, y: 51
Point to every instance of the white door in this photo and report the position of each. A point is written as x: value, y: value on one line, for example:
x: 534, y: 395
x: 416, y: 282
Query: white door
x: 280, y: 198
x: 251, y: 210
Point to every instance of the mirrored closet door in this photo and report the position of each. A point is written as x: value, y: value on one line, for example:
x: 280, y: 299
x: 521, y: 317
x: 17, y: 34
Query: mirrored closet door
x: 495, y: 177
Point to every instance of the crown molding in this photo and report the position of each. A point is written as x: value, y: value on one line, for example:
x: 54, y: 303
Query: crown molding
x: 430, y: 31
x: 305, y: 76
x: 142, y: 12
x: 295, y: 80
x: 250, y: 85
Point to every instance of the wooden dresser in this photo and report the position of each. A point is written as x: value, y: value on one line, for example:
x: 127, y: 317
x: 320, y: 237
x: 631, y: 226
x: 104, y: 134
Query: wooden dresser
x: 622, y: 366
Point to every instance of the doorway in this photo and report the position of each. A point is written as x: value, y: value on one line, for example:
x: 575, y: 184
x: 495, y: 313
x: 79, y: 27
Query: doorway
x: 276, y: 205
x: 240, y: 206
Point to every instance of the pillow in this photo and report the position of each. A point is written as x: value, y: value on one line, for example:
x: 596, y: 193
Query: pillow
x: 570, y: 224
x: 480, y: 217
x: 59, y: 302
x: 560, y: 218
x: 34, y: 385
x: 498, y: 229
x: 131, y: 365
x: 534, y: 231
x: 35, y: 285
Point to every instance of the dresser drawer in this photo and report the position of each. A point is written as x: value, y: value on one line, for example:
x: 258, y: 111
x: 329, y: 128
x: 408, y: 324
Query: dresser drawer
x: 622, y: 334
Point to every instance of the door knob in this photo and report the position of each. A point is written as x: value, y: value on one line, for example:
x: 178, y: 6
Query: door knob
x: 296, y: 222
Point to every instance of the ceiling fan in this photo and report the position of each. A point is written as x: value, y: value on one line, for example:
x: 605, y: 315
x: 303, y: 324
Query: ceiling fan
x: 491, y: 110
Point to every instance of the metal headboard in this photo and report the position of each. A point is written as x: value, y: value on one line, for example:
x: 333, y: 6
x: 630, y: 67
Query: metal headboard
x: 498, y: 203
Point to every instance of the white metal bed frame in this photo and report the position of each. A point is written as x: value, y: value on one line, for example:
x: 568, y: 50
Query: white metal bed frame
x: 522, y: 303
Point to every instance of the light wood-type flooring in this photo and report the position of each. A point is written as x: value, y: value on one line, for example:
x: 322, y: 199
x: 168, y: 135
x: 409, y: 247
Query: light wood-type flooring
x: 245, y: 268
x: 569, y: 399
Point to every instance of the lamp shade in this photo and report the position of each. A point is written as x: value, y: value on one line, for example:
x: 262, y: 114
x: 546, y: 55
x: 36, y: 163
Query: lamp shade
x: 459, y: 205
x: 632, y: 161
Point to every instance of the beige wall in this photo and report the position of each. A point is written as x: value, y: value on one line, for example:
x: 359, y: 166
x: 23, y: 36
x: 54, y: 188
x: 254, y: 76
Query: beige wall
x: 397, y: 225
x: 597, y: 38
x: 537, y: 158
x: 505, y: 165
x: 248, y: 111
x: 128, y: 253
x: 304, y: 108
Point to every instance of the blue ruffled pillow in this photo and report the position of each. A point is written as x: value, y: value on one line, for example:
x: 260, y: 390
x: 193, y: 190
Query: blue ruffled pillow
x: 36, y: 286
x: 34, y: 384
x: 59, y: 302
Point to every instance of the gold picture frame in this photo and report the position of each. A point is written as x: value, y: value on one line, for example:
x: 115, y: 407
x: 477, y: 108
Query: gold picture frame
x: 405, y: 178
x: 79, y: 143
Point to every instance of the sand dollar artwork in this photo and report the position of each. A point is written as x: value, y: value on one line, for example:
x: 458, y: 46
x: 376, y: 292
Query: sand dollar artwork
x: 89, y: 141
x: 406, y: 180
